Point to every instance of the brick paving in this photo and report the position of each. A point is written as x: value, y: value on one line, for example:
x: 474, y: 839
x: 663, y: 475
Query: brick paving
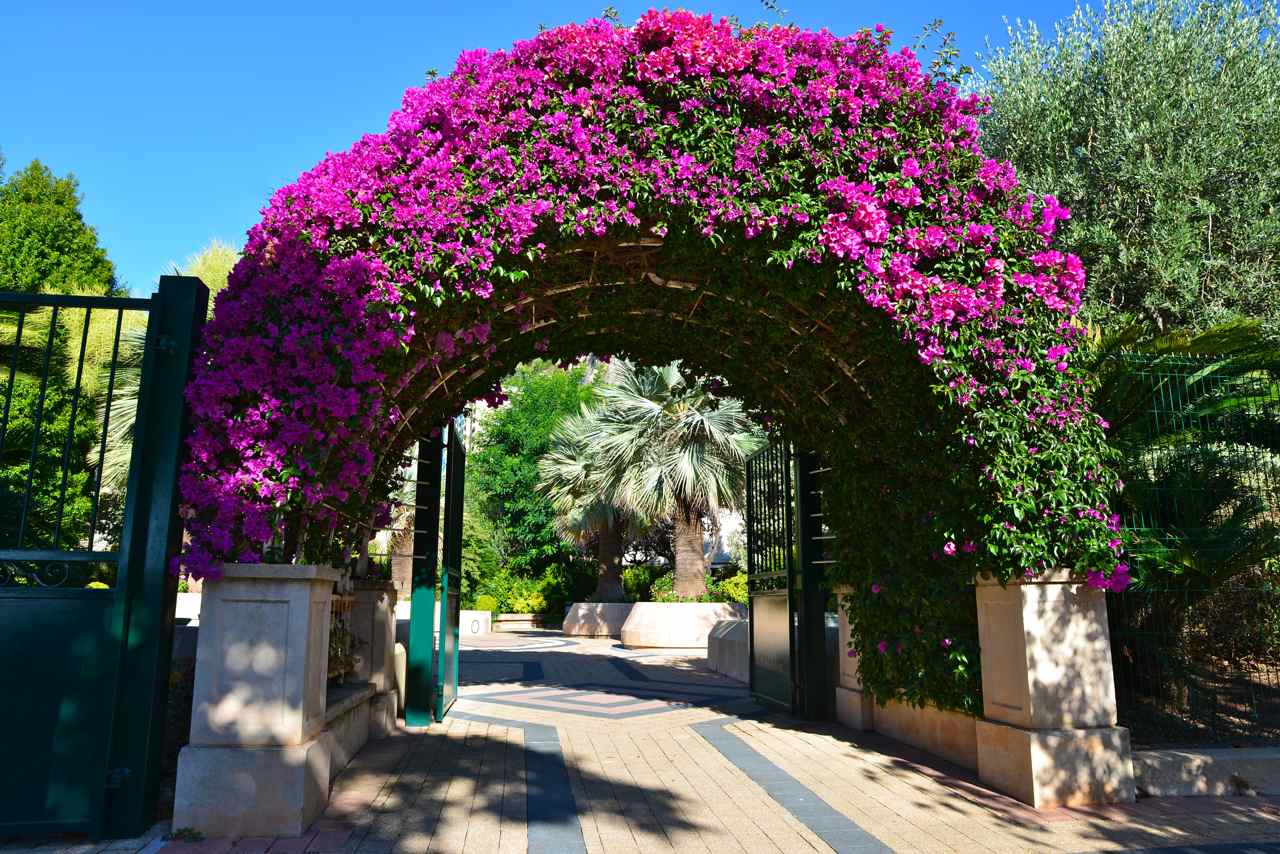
x: 568, y: 746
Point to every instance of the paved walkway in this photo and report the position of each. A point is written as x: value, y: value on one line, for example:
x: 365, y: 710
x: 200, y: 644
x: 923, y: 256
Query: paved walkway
x: 559, y: 747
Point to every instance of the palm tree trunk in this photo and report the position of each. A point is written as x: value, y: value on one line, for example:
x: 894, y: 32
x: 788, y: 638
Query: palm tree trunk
x: 691, y: 575
x: 609, y: 557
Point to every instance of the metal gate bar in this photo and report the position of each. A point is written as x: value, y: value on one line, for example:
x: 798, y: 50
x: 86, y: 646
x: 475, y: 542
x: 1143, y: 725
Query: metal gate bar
x: 435, y: 599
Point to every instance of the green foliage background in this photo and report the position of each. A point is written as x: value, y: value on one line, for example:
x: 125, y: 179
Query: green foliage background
x: 1158, y: 123
x: 45, y: 244
x: 511, y: 548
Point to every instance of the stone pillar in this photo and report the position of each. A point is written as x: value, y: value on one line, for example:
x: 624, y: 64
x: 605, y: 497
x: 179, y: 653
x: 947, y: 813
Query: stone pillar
x: 854, y: 707
x: 373, y: 624
x: 1049, y: 737
x: 254, y: 766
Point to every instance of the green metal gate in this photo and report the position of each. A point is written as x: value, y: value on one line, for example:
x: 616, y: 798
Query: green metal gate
x: 770, y: 571
x: 786, y: 582
x: 86, y: 599
x: 434, y: 606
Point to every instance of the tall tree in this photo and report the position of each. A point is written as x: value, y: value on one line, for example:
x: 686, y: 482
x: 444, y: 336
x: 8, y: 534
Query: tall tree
x: 668, y: 448
x: 1158, y: 124
x: 503, y: 465
x: 573, y: 476
x: 45, y: 244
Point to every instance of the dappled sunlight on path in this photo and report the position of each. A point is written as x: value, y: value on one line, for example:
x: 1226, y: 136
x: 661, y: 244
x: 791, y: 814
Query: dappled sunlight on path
x: 561, y: 745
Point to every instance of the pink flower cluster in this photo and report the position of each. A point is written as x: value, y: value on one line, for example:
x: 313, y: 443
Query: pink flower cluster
x: 391, y: 270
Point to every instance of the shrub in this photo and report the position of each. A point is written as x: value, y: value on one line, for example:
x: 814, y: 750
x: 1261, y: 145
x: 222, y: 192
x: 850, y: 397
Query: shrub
x: 485, y: 602
x: 731, y: 589
x: 528, y: 602
x: 638, y: 581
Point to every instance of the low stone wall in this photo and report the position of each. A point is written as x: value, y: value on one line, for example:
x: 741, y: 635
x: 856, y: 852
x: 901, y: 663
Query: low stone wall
x: 596, y: 619
x: 1215, y: 771
x: 522, y: 622
x: 676, y: 625
x: 355, y: 714
x: 728, y: 649
x: 951, y: 735
x: 1047, y: 734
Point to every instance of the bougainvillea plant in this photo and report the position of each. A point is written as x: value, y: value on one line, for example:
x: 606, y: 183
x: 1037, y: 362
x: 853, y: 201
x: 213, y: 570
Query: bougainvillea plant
x: 805, y: 217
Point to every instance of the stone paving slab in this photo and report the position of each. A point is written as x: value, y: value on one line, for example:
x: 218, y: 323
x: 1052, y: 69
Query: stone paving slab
x: 560, y: 746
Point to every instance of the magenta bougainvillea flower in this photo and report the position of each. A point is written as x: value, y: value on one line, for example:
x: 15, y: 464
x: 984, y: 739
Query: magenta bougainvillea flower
x: 790, y: 210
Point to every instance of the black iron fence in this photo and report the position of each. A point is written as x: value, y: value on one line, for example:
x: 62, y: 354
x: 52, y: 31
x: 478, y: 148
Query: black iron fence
x: 1196, y: 640
x: 91, y: 427
x: 68, y: 401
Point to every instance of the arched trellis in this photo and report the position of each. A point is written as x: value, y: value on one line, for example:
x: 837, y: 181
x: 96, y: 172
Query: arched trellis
x: 808, y: 217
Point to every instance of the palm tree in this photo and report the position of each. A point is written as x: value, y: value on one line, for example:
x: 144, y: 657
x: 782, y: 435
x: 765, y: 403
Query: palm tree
x: 213, y: 266
x: 1195, y: 421
x: 571, y: 475
x: 668, y: 448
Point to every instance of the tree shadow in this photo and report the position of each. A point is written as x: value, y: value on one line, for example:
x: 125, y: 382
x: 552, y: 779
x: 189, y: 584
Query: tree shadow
x: 430, y: 783
x: 682, y: 683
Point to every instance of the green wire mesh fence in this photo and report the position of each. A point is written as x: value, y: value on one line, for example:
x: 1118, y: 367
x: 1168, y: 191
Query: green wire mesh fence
x: 1196, y: 640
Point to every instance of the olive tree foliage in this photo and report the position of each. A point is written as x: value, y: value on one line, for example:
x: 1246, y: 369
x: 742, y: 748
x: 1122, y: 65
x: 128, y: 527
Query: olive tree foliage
x: 1157, y: 122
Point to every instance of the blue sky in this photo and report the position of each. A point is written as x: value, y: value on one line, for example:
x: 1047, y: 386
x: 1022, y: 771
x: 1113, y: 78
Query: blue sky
x: 180, y: 119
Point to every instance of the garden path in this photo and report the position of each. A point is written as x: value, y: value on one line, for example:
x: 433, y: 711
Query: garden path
x: 569, y: 745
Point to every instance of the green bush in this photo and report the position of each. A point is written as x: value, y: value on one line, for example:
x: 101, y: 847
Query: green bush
x: 528, y: 602
x: 637, y: 581
x: 485, y: 602
x: 731, y: 589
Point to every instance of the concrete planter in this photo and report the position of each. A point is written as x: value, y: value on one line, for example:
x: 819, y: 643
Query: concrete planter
x: 596, y: 619
x: 1224, y: 771
x: 676, y: 625
x: 519, y: 622
x: 475, y: 623
x: 728, y: 649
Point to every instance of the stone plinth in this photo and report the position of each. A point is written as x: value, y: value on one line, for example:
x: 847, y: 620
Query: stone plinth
x: 475, y: 623
x: 373, y: 625
x: 728, y: 649
x: 676, y: 625
x: 1050, y: 736
x: 596, y: 619
x: 254, y: 765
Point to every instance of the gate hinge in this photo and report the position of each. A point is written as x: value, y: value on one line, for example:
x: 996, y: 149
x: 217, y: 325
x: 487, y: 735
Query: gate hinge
x: 117, y: 776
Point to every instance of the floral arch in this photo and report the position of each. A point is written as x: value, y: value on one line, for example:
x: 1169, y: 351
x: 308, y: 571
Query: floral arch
x: 807, y: 217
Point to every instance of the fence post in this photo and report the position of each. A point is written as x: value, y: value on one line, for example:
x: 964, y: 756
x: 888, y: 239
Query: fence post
x: 419, y: 687
x: 148, y: 600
